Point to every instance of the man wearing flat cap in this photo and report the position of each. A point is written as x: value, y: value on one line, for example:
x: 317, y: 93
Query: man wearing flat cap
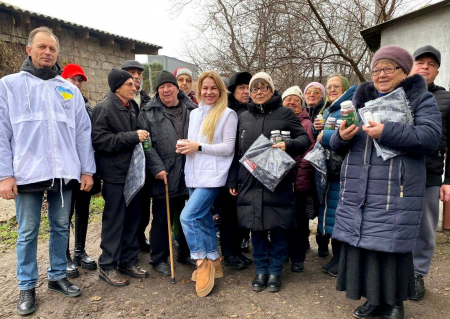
x: 114, y: 136
x: 140, y: 98
x: 166, y: 118
x: 427, y: 61
x: 136, y: 69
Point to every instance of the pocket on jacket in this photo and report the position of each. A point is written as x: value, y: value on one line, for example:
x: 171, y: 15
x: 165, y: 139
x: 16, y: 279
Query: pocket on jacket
x: 158, y: 134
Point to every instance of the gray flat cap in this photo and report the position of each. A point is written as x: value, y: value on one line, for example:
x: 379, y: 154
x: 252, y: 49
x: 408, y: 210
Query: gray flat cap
x: 132, y: 64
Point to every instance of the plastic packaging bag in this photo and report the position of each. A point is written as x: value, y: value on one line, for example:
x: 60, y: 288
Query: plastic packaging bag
x: 136, y: 174
x: 268, y: 165
x: 393, y: 107
x: 318, y: 157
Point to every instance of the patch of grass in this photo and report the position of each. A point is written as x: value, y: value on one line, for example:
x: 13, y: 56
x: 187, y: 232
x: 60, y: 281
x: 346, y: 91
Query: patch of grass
x: 8, y: 230
x: 8, y: 233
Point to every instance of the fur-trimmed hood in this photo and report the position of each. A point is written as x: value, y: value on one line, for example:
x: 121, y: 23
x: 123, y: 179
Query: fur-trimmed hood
x: 414, y: 86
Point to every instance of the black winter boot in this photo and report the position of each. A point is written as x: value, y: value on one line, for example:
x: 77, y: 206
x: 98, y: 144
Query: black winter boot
x: 72, y: 269
x: 397, y: 312
x: 27, y: 302
x: 80, y: 257
x: 323, y: 241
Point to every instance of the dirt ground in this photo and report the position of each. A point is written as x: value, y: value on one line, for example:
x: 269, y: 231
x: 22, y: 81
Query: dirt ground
x: 7, y: 210
x: 307, y: 295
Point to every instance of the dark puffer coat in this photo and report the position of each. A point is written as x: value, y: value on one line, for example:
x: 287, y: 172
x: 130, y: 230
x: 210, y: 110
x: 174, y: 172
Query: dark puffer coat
x: 305, y: 171
x: 114, y: 136
x: 381, y: 202
x: 259, y: 208
x: 435, y: 161
x: 327, y: 210
x: 155, y: 120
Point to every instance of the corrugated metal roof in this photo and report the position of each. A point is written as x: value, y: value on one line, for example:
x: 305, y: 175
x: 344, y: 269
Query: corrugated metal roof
x: 10, y: 7
x: 372, y: 36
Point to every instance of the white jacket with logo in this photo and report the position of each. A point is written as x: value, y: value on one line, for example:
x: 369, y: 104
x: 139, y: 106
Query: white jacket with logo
x: 45, y: 131
x: 209, y: 168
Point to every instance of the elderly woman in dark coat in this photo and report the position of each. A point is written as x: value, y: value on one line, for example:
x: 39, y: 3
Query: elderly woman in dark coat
x: 260, y: 209
x: 380, y: 204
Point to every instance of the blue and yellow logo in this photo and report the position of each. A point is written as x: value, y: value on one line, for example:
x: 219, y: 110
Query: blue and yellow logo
x: 66, y: 94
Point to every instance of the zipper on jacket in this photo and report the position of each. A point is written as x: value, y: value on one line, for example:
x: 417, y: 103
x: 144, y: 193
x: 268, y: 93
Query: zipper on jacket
x: 389, y: 184
x: 241, y: 149
x: 261, y: 108
x: 345, y: 178
x: 326, y: 207
x: 402, y: 177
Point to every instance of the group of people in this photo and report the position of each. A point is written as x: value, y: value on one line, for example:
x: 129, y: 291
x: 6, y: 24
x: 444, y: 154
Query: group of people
x: 381, y: 215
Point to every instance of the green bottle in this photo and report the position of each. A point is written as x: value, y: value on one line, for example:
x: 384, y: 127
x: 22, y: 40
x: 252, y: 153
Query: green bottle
x: 147, y: 145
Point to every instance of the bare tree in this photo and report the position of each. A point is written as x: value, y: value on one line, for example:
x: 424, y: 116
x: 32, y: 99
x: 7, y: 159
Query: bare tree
x: 294, y: 40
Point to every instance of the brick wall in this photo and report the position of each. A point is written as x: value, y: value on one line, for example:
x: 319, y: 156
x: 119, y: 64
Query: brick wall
x: 95, y: 59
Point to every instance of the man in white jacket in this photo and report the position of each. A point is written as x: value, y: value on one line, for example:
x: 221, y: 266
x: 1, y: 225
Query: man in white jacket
x: 45, y: 143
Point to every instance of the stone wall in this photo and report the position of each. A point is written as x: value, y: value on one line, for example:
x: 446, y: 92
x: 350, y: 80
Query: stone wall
x: 95, y: 59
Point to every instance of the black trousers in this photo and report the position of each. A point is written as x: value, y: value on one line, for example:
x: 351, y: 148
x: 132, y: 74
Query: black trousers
x: 231, y: 235
x: 159, y: 234
x: 119, y: 241
x: 145, y: 213
x: 80, y: 206
x: 298, y: 237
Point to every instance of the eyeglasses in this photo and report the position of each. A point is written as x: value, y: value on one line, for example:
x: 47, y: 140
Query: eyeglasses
x: 312, y: 92
x: 262, y: 89
x: 388, y: 70
x: 333, y: 87
x: 293, y: 100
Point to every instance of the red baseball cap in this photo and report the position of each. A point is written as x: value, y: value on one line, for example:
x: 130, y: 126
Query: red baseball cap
x: 72, y: 70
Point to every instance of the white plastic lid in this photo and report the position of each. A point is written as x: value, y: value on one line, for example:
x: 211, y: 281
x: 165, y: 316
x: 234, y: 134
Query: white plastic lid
x: 319, y: 116
x: 275, y: 132
x: 331, y: 119
x: 346, y: 104
x: 285, y: 132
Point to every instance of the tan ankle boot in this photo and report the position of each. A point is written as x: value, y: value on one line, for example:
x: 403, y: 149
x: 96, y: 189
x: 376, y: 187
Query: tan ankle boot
x: 205, y: 278
x: 217, y: 265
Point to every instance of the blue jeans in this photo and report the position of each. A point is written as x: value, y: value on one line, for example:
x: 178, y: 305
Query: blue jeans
x: 28, y: 214
x: 270, y: 256
x: 198, y: 224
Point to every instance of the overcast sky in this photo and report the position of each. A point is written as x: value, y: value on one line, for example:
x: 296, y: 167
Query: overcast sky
x: 145, y: 20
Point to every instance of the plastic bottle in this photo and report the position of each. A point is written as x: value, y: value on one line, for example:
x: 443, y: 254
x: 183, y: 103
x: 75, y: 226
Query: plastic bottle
x: 330, y: 124
x: 368, y: 116
x: 285, y: 135
x: 275, y: 136
x: 320, y: 118
x: 348, y: 113
x: 338, y: 125
x: 147, y: 145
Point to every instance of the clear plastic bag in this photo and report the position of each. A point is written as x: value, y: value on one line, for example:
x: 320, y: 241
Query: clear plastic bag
x: 135, y: 179
x: 268, y: 165
x: 393, y: 107
x: 318, y: 158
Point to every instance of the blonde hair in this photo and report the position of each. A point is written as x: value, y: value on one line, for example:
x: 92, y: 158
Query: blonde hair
x: 218, y: 108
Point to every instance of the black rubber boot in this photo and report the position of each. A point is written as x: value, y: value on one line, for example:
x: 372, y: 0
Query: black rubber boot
x: 80, y: 257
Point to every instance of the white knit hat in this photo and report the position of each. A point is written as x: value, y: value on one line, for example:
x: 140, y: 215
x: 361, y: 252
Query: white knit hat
x: 293, y: 90
x: 266, y: 77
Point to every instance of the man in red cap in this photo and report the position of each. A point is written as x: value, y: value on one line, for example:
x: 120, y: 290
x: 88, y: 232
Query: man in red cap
x: 80, y: 200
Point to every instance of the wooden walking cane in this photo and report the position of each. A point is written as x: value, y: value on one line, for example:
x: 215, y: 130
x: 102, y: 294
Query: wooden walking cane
x: 172, y: 270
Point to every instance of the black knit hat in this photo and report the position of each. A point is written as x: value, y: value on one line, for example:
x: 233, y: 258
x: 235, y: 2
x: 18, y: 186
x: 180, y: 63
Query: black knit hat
x: 165, y: 77
x: 238, y: 79
x: 116, y: 78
